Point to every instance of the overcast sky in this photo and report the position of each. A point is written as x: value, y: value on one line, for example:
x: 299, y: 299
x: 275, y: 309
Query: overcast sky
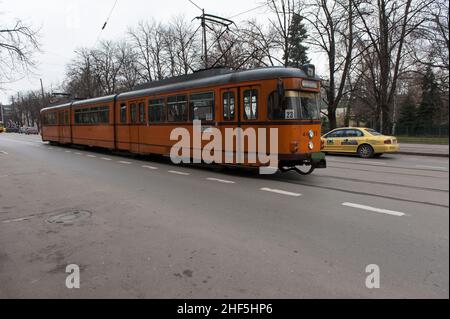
x: 70, y: 24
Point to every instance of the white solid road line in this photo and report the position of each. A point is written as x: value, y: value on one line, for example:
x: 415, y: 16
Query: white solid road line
x: 281, y: 192
x: 179, y: 173
x: 150, y: 167
x: 431, y: 167
x: 376, y: 210
x: 106, y: 159
x: 126, y: 163
x: 220, y: 181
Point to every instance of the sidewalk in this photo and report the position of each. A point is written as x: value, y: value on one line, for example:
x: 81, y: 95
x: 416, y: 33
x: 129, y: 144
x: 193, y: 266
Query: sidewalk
x: 424, y: 149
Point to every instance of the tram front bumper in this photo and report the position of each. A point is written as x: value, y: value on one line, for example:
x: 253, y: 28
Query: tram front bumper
x: 318, y: 160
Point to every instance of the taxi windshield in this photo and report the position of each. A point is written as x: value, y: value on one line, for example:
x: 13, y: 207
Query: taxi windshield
x: 296, y: 105
x: 373, y: 132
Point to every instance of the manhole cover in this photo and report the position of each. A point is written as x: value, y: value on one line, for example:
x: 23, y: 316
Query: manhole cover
x: 68, y: 217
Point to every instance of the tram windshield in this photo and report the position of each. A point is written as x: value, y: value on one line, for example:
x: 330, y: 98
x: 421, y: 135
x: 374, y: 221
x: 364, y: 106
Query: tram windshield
x: 296, y: 105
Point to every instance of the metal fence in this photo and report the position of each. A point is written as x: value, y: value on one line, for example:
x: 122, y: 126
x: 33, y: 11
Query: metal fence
x: 427, y: 131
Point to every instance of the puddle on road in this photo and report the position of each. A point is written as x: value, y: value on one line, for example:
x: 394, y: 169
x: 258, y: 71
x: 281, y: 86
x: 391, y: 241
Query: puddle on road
x: 69, y: 217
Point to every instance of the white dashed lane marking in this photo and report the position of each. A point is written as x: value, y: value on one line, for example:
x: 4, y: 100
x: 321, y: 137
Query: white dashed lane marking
x: 92, y: 156
x: 375, y: 210
x: 179, y: 173
x: 372, y: 163
x: 106, y: 159
x: 220, y: 181
x: 125, y: 163
x: 68, y: 151
x: 150, y: 167
x: 3, y: 152
x: 281, y: 192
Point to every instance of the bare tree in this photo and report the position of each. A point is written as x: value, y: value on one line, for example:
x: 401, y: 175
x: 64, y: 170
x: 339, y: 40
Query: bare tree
x: 18, y: 43
x: 81, y: 81
x: 107, y: 66
x: 129, y: 76
x: 387, y: 25
x: 260, y: 42
x: 431, y: 46
x: 332, y: 32
x: 284, y: 11
x: 183, y: 45
x: 148, y: 40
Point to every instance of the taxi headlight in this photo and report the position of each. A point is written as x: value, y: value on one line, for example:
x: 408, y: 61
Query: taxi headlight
x: 311, y: 145
x: 311, y: 134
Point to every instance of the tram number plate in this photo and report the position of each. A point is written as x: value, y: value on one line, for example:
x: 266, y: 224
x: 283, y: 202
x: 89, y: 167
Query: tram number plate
x: 290, y: 114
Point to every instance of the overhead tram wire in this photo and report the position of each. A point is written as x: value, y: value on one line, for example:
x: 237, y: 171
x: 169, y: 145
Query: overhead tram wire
x: 248, y: 11
x: 106, y: 22
x: 195, y: 5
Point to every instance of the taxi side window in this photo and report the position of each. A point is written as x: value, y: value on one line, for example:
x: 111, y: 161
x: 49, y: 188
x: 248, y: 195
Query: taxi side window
x: 336, y: 134
x: 353, y: 133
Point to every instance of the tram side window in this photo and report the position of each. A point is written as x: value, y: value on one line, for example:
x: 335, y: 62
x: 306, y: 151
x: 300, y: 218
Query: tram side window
x: 123, y: 113
x: 177, y: 108
x: 142, y: 113
x: 251, y: 104
x: 229, y: 106
x: 133, y: 113
x: 96, y: 115
x: 103, y: 115
x: 60, y: 118
x: 156, y: 111
x: 202, y: 106
x: 50, y: 119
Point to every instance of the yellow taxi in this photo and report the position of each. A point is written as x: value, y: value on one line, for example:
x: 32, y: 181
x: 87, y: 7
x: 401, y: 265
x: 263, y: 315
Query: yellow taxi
x: 365, y: 142
x: 2, y: 128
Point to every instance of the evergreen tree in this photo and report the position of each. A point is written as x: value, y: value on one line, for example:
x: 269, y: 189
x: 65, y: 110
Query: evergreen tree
x: 298, y: 54
x: 430, y: 105
x: 408, y: 115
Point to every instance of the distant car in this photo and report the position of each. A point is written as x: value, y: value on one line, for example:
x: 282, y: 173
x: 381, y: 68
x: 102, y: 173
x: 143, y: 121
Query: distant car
x: 365, y: 142
x: 23, y: 130
x: 31, y: 131
x: 12, y: 130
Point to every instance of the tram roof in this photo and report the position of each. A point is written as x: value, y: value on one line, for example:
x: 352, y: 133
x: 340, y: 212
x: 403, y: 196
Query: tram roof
x: 196, y: 80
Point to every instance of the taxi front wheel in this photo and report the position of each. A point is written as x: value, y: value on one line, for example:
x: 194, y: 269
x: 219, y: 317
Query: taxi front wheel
x: 366, y: 151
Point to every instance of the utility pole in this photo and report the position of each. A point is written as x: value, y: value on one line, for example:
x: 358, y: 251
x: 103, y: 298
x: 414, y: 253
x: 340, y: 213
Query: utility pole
x: 43, y: 105
x: 42, y: 91
x: 212, y: 19
x: 205, y: 47
x: 3, y: 114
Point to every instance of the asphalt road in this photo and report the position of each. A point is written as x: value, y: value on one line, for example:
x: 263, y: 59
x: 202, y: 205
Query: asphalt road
x: 157, y: 230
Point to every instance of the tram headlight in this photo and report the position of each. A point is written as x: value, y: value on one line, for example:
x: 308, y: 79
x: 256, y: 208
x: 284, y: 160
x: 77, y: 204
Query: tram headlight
x: 311, y: 146
x: 311, y: 134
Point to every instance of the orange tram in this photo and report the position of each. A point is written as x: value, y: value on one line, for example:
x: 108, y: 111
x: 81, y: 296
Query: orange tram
x: 141, y: 121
